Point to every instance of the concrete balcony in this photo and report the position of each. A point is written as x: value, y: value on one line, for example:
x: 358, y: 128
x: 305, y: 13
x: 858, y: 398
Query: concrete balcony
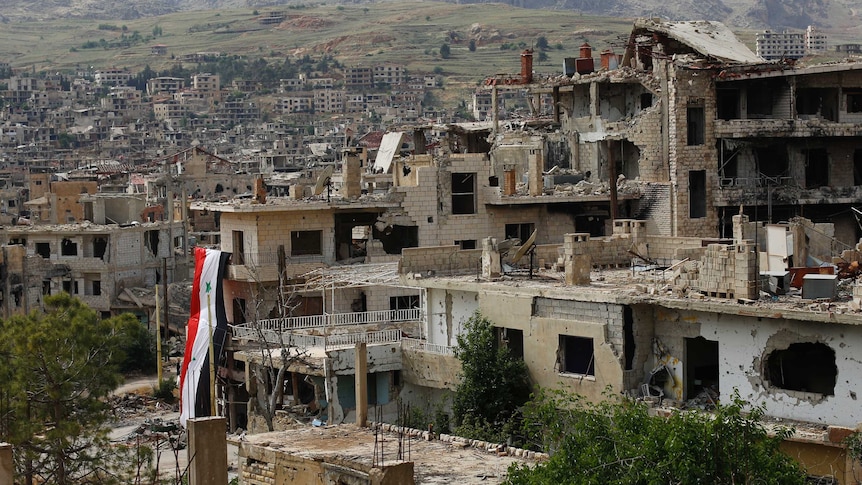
x: 734, y: 192
x: 784, y: 128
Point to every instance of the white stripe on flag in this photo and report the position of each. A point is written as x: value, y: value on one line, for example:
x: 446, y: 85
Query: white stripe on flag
x: 198, y: 329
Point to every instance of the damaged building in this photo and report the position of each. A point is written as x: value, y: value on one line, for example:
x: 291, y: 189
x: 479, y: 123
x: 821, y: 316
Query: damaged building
x: 680, y: 228
x: 707, y: 128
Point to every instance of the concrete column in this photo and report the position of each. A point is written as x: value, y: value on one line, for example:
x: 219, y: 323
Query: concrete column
x: 361, y: 369
x: 207, y: 451
x: 578, y: 262
x: 536, y: 161
x: 351, y: 169
x: 7, y: 467
x: 739, y: 223
x: 491, y: 268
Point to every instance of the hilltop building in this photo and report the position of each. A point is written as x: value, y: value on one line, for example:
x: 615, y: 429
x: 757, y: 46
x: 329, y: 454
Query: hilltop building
x: 790, y: 45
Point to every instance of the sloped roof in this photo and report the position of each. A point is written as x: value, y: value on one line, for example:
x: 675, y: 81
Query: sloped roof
x: 711, y: 39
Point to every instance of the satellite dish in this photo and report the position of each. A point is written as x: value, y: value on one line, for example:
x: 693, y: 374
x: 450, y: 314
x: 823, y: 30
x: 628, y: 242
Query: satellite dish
x: 526, y: 247
x: 323, y: 180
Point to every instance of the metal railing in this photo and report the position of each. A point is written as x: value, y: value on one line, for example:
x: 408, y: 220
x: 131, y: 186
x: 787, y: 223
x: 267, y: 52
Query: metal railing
x: 290, y: 339
x: 351, y: 339
x: 340, y: 319
x: 423, y: 346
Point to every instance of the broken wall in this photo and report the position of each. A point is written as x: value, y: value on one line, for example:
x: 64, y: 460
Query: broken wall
x: 745, y: 343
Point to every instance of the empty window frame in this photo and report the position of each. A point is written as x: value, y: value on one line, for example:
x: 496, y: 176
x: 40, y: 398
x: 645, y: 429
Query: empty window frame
x: 466, y: 244
x: 520, y: 231
x: 463, y: 193
x: 512, y: 339
x: 759, y: 99
x: 100, y: 247
x: 646, y: 100
x: 701, y: 366
x: 43, y: 249
x: 854, y: 101
x: 816, y: 168
x: 305, y: 243
x: 575, y: 355
x: 727, y: 103
x: 857, y: 170
x: 68, y: 248
x: 696, y: 194
x: 696, y: 125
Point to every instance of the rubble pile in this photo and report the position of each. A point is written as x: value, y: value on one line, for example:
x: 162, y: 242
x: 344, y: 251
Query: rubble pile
x: 132, y: 405
x: 584, y: 187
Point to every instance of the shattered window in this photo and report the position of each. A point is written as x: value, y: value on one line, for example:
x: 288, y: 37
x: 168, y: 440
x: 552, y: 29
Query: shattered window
x: 854, y: 102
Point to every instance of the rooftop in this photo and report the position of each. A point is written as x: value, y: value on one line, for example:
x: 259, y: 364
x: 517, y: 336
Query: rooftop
x: 435, y: 461
x: 633, y: 286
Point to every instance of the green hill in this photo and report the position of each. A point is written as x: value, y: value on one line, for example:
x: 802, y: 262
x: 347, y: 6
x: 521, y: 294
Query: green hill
x: 407, y: 33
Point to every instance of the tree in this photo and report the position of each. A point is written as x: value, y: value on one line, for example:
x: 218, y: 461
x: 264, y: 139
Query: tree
x: 445, y: 51
x: 542, y: 42
x: 277, y: 352
x: 137, y: 344
x: 493, y: 385
x: 57, y: 368
x: 618, y: 442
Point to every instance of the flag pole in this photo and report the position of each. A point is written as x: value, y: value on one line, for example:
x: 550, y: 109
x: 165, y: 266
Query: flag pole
x: 212, y: 359
x: 158, y: 339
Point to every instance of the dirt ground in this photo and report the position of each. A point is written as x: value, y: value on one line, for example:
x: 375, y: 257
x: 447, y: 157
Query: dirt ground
x: 139, y: 418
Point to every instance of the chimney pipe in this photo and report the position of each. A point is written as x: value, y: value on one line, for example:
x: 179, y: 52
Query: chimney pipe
x: 527, y: 66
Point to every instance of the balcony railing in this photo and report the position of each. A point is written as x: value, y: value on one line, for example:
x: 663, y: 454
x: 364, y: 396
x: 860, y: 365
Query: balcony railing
x: 339, y: 319
x: 291, y: 339
x: 423, y: 346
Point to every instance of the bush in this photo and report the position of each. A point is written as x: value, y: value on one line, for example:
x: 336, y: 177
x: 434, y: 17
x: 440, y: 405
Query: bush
x: 164, y: 390
x: 617, y: 442
x: 493, y: 384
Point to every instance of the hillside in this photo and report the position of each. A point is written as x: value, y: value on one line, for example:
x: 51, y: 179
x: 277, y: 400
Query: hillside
x: 407, y: 33
x: 839, y: 17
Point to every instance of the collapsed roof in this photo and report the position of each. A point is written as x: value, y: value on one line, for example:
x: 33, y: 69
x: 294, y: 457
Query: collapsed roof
x: 711, y: 39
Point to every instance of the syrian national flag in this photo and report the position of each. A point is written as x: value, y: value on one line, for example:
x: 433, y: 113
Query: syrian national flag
x: 195, y: 373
